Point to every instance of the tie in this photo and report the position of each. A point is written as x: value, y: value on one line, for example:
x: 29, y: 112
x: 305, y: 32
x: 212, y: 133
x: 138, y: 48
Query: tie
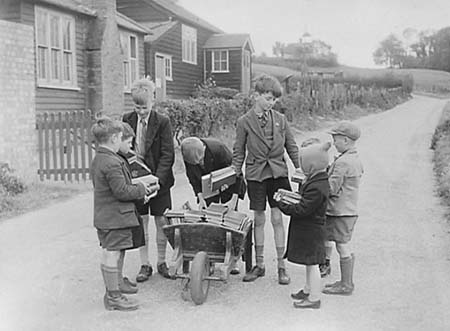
x: 142, y: 137
x: 264, y: 117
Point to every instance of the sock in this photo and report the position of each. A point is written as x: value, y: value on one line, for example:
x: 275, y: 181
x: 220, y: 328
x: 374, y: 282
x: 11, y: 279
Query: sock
x: 110, y: 279
x: 161, y: 244
x: 143, y: 252
x: 259, y: 252
x: 120, y: 267
x: 314, y: 282
x: 280, y: 254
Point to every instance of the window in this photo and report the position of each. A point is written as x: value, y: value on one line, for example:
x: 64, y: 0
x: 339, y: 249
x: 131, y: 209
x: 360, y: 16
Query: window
x: 189, y: 44
x: 55, y: 48
x: 129, y: 45
x: 168, y: 67
x: 219, y: 61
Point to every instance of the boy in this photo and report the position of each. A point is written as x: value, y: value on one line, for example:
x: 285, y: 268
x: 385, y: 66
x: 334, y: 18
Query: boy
x: 305, y: 243
x: 154, y: 144
x: 115, y: 215
x: 264, y: 135
x: 344, y: 177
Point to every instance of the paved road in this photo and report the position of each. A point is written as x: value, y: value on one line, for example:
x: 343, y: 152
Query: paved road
x: 49, y: 261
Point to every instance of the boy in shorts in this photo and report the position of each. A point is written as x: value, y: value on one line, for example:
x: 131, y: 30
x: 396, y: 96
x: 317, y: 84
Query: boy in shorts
x: 264, y: 135
x: 154, y: 144
x: 115, y: 215
x: 344, y: 177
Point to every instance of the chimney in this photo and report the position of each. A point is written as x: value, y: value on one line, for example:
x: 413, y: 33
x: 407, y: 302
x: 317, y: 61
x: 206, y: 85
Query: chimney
x: 104, y: 58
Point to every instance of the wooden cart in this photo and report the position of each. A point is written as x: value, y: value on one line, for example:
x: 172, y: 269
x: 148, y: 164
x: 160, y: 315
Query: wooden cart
x: 206, y: 243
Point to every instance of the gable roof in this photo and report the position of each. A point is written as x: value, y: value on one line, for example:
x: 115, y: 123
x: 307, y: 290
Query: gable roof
x: 184, y: 14
x: 229, y: 40
x: 72, y: 5
x: 128, y: 23
x: 158, y: 29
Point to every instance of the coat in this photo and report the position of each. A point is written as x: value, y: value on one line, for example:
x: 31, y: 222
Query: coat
x: 344, y: 177
x: 159, y: 153
x: 306, y: 234
x: 114, y: 194
x: 262, y: 153
x: 217, y: 156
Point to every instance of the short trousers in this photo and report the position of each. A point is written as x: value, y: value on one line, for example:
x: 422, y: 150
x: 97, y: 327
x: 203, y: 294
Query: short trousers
x: 340, y: 228
x: 260, y: 192
x: 160, y: 203
x: 120, y: 239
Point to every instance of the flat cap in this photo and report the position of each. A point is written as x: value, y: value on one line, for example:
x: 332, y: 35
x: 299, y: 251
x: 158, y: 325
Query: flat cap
x: 347, y: 129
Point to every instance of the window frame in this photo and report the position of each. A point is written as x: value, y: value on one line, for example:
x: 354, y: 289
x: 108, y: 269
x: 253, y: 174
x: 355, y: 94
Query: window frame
x: 50, y: 46
x: 128, y: 59
x: 221, y: 61
x: 189, y: 44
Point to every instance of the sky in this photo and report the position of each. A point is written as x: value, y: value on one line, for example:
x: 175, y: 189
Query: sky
x: 354, y: 28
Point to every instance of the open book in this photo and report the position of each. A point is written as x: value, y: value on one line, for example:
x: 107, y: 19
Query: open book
x: 213, y: 182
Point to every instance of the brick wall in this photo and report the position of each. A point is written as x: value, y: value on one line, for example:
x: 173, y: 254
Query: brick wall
x: 18, y: 138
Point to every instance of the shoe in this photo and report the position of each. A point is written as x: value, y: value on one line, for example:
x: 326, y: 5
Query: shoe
x: 129, y: 282
x: 163, y: 270
x: 300, y: 295
x: 283, y: 278
x: 325, y: 269
x: 235, y: 271
x: 119, y: 302
x: 254, y: 273
x: 307, y: 304
x: 127, y: 288
x: 144, y: 274
x: 338, y: 289
x: 338, y: 282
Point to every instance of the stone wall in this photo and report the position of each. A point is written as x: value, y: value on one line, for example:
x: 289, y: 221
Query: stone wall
x: 18, y: 136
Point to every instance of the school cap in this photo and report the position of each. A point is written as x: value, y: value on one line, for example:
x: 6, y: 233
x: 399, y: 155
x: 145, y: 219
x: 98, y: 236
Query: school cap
x: 347, y: 129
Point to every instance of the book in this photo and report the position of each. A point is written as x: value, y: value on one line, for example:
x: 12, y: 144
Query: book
x: 288, y: 197
x: 298, y: 177
x: 225, y: 176
x: 206, y: 187
x: 137, y: 165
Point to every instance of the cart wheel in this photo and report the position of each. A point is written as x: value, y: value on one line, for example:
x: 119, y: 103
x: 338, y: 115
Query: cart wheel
x: 199, y: 285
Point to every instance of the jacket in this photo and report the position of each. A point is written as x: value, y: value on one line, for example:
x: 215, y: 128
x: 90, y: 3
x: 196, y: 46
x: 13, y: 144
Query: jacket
x: 159, y: 153
x: 344, y: 177
x: 260, y: 152
x: 114, y: 194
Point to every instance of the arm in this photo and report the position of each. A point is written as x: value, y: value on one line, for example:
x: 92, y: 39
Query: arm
x: 239, y: 147
x: 167, y: 153
x: 291, y: 145
x: 119, y: 187
x: 312, y: 198
x: 336, y: 179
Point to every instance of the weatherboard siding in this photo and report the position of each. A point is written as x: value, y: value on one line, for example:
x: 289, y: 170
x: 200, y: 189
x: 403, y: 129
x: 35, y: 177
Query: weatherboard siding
x: 231, y: 79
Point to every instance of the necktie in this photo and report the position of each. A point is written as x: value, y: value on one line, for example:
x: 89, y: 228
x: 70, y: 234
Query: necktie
x: 142, y: 136
x: 264, y: 117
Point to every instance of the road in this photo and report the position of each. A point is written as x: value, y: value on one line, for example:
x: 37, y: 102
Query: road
x: 50, y: 277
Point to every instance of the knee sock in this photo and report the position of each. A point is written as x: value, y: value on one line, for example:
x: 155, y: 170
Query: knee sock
x: 328, y: 249
x: 161, y: 240
x: 314, y: 282
x: 259, y: 255
x: 110, y: 279
x: 143, y: 252
x: 120, y: 267
x: 280, y: 254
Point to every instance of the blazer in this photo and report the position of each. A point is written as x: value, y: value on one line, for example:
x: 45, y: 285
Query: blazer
x: 114, y: 194
x: 159, y: 153
x: 345, y: 176
x: 217, y: 156
x: 261, y: 152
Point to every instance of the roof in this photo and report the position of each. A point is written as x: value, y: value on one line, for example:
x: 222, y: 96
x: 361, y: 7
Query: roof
x: 128, y: 23
x: 72, y: 5
x: 229, y: 40
x: 158, y: 29
x: 183, y: 13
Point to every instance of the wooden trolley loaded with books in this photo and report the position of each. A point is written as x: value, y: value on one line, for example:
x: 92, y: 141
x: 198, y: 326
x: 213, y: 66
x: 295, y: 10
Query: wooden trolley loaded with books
x: 213, y: 239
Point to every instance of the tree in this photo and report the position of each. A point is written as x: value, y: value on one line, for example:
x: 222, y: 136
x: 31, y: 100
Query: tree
x: 440, y: 55
x: 278, y: 49
x: 390, y: 52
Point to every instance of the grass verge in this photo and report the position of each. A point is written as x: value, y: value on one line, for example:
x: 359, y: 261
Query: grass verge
x: 441, y: 145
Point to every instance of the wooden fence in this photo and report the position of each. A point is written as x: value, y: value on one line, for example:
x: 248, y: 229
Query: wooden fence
x: 65, y: 145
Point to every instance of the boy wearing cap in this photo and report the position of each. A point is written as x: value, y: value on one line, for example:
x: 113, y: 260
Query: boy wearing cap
x: 344, y: 177
x: 262, y: 137
x: 153, y: 143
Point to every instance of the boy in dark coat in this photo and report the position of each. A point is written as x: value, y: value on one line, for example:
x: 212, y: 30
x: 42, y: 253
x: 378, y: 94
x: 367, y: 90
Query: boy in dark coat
x: 115, y: 215
x: 306, y: 228
x: 154, y: 144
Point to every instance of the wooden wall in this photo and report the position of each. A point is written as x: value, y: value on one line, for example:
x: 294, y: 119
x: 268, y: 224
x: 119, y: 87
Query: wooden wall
x: 231, y: 79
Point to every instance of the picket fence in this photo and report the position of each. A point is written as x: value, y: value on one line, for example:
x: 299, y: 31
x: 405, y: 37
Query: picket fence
x: 65, y: 145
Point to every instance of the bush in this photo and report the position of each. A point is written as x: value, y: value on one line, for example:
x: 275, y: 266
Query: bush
x: 9, y: 183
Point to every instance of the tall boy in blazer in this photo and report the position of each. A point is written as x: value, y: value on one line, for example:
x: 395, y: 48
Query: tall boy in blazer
x: 264, y: 135
x: 154, y: 144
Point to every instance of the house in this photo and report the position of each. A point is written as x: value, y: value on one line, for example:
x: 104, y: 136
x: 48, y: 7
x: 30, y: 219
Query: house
x: 87, y: 54
x: 183, y: 49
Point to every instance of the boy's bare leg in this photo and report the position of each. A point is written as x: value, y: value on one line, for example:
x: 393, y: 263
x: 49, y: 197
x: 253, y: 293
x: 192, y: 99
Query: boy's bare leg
x: 280, y: 239
x: 325, y: 268
x: 258, y: 228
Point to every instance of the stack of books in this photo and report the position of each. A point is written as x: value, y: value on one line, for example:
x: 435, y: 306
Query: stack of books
x: 175, y: 216
x: 213, y: 182
x: 288, y: 197
x: 235, y: 220
x: 194, y: 216
x: 215, y: 213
